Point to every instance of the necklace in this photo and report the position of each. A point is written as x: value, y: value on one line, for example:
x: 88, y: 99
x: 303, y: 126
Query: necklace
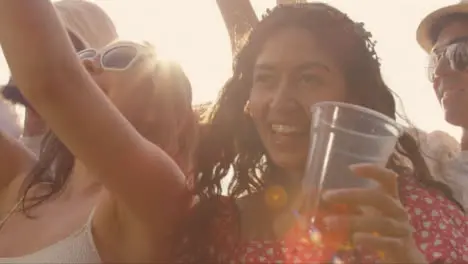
x: 10, y: 213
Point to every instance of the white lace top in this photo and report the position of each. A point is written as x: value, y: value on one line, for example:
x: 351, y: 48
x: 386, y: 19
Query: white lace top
x: 456, y: 177
x: 79, y: 247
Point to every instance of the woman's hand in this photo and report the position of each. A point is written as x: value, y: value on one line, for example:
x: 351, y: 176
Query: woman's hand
x: 386, y: 229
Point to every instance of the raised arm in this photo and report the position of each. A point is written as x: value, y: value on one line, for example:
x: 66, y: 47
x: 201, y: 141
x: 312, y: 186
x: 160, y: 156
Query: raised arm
x: 49, y: 74
x: 239, y: 17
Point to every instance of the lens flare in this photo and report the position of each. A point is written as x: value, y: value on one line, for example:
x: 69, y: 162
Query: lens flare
x: 337, y: 260
x: 315, y: 236
x: 346, y: 247
x: 276, y: 197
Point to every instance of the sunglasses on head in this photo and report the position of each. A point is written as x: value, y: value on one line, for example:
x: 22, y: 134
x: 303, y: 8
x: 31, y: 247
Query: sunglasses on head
x: 453, y: 55
x: 117, y: 57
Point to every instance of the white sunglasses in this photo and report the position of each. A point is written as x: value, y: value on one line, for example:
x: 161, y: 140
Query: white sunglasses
x: 118, y: 57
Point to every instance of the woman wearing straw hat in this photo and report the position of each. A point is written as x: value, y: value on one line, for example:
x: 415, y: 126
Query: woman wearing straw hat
x: 443, y: 34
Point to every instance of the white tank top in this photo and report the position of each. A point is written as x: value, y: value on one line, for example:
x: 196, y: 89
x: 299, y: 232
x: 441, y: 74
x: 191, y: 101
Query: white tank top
x: 79, y: 247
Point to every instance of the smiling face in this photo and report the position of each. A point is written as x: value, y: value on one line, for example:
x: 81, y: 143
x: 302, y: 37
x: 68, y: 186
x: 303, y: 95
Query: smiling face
x: 451, y: 85
x: 292, y: 72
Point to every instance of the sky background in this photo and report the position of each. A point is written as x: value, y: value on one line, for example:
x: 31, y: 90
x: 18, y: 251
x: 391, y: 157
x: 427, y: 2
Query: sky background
x: 193, y: 33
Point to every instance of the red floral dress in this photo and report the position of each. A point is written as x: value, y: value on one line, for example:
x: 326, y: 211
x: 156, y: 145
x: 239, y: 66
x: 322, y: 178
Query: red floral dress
x: 441, y: 232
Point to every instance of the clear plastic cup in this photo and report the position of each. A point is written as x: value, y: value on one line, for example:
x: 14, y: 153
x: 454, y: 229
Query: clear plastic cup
x: 341, y: 135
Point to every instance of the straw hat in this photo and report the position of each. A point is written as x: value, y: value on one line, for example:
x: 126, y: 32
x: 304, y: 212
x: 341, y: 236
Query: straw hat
x: 424, y: 30
x: 87, y: 21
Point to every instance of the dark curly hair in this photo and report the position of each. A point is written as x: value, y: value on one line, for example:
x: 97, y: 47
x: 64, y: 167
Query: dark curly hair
x: 230, y: 142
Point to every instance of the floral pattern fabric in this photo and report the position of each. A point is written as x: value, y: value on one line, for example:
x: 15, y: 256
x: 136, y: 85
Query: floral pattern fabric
x: 441, y: 233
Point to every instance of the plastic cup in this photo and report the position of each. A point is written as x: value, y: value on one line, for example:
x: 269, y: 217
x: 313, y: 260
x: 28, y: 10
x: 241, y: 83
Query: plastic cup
x: 341, y: 135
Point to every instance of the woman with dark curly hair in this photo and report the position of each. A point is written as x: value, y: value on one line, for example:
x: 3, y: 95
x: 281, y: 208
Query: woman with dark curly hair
x: 258, y: 129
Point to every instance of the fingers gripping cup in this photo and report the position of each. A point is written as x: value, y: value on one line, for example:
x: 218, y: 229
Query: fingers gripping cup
x: 341, y: 135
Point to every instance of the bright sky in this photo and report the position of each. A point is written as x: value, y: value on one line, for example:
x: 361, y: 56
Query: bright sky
x: 193, y: 33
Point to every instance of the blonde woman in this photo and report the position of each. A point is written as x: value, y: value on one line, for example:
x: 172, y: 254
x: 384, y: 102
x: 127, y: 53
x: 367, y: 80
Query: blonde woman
x: 122, y: 133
